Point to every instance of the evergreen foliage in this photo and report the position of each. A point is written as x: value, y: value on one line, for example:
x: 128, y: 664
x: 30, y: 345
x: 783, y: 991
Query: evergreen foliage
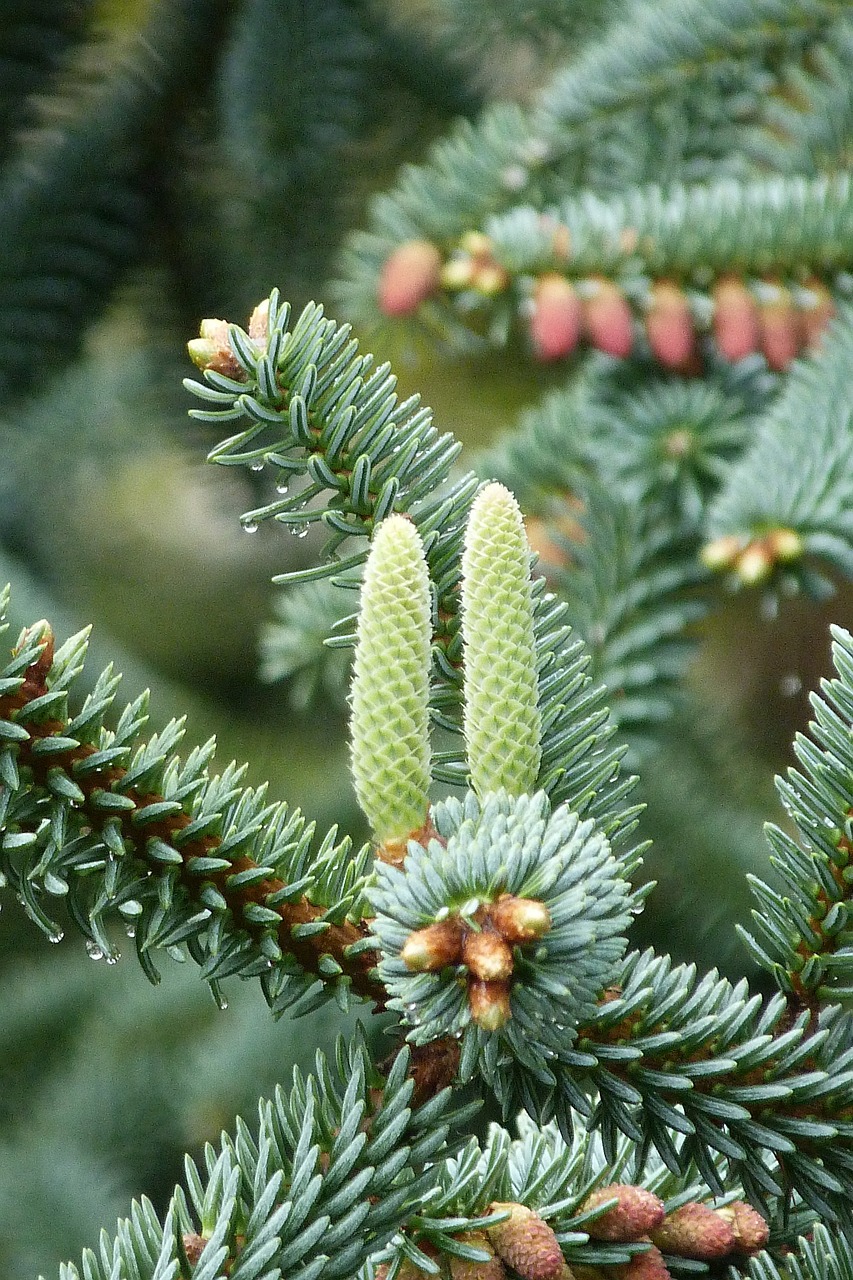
x: 645, y: 212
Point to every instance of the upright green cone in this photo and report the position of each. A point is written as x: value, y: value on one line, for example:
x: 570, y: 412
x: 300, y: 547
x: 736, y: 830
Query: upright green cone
x: 503, y: 727
x: 390, y: 752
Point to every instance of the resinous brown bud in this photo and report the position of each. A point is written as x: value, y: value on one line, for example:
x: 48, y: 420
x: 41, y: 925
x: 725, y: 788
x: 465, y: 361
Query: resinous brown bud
x: 489, y: 1004
x: 519, y: 919
x: 487, y: 955
x: 433, y: 948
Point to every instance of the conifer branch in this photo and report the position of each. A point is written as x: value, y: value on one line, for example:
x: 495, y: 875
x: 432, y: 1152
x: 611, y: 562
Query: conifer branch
x: 347, y: 454
x: 731, y: 61
x: 789, y: 495
x: 73, y: 201
x: 335, y: 1166
x: 803, y: 932
x: 655, y: 268
x: 36, y: 37
x: 123, y: 829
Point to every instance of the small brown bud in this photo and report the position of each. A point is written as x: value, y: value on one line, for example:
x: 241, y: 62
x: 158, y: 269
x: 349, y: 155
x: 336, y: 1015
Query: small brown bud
x: 212, y: 350
x: 193, y: 1246
x: 607, y: 319
x: 555, y: 324
x: 467, y: 1269
x: 526, y: 1243
x: 489, y: 1004
x: 781, y: 330
x: 695, y: 1231
x: 755, y: 563
x: 408, y: 277
x: 785, y: 544
x: 736, y: 326
x: 750, y: 1230
x: 519, y: 919
x: 458, y: 273
x: 722, y: 552
x: 636, y: 1213
x: 487, y: 955
x: 394, y: 849
x: 477, y: 244
x: 644, y: 1266
x: 490, y: 278
x: 259, y: 323
x: 433, y: 948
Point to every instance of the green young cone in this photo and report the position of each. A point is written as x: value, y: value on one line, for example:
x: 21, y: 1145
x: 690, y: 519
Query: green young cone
x: 390, y: 754
x: 503, y: 727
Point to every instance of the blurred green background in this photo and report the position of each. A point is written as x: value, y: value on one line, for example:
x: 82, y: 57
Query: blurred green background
x: 163, y: 162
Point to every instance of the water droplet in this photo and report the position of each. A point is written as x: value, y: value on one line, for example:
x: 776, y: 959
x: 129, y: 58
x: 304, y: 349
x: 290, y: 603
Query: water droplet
x: 282, y: 486
x: 257, y: 465
x: 250, y: 526
x: 790, y: 685
x: 113, y: 957
x: 130, y: 930
x: 57, y: 936
x: 299, y: 530
x: 93, y: 951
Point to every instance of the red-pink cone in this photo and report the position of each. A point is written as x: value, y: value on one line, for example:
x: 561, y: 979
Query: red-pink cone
x: 410, y: 274
x: 607, y: 319
x: 526, y: 1243
x: 466, y: 1269
x: 736, y: 326
x: 636, y: 1213
x: 669, y: 325
x: 644, y: 1266
x: 751, y: 1231
x: 695, y: 1231
x: 781, y: 330
x: 555, y: 325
